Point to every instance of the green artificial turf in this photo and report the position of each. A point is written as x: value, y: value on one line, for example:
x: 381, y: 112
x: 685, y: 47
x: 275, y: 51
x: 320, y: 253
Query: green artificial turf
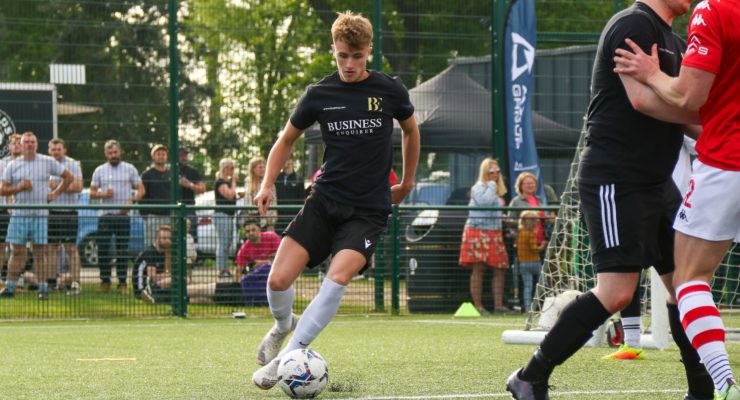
x: 416, y: 357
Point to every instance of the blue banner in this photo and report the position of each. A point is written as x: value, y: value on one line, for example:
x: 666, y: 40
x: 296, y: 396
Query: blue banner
x: 520, y: 41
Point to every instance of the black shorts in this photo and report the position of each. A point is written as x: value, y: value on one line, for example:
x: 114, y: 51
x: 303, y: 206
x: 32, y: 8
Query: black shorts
x: 4, y: 221
x: 62, y: 226
x: 629, y: 226
x: 325, y: 227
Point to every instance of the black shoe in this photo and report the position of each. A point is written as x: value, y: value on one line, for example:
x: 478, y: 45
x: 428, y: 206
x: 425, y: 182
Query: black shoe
x: 4, y: 293
x: 44, y: 296
x: 689, y: 396
x: 525, y: 390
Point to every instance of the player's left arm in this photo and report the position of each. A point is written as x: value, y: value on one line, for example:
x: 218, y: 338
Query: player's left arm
x: 688, y: 91
x: 645, y: 100
x: 410, y: 144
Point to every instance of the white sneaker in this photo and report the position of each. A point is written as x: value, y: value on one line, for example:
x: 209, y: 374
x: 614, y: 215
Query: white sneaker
x: 272, y: 342
x: 266, y: 377
x: 74, y: 289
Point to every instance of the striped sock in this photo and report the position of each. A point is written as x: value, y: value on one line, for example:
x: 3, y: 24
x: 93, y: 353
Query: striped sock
x: 631, y: 326
x: 704, y: 328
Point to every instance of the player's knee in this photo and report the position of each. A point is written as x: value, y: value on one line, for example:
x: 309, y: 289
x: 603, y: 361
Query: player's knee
x: 620, y: 301
x: 278, y: 282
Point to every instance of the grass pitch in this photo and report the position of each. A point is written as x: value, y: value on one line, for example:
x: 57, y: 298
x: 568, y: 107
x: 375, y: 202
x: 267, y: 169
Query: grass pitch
x: 374, y: 357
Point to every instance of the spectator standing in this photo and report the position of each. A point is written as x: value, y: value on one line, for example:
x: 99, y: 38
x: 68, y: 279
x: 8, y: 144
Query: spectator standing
x: 191, y: 184
x: 14, y: 150
x: 289, y: 189
x: 349, y: 204
x: 709, y: 219
x: 112, y: 183
x: 225, y: 193
x: 483, y: 241
x: 252, y: 184
x: 27, y: 179
x: 528, y: 250
x: 63, y: 224
x: 526, y: 189
x: 156, y: 180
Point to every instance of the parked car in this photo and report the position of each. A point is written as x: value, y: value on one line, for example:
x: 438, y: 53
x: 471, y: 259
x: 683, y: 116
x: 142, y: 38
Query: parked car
x: 207, y: 238
x: 88, y: 228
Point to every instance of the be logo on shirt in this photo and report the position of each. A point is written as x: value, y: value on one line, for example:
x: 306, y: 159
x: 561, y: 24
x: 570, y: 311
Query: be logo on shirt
x: 373, y: 104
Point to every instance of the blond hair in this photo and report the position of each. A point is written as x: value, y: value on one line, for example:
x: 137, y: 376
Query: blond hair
x: 487, y: 164
x: 520, y: 180
x: 254, y: 180
x: 525, y: 215
x: 353, y: 29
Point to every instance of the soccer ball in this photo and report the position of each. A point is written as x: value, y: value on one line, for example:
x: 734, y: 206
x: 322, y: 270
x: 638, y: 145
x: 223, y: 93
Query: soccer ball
x: 302, y: 374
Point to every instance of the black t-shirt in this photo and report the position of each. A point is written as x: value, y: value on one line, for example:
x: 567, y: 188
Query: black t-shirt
x: 221, y: 200
x: 186, y: 194
x: 623, y: 145
x: 356, y: 126
x: 150, y: 257
x: 289, y: 188
x: 156, y: 190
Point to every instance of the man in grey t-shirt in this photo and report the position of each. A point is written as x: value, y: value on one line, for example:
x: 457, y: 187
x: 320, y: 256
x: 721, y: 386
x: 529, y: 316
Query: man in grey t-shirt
x: 112, y: 183
x: 27, y: 180
x: 63, y: 223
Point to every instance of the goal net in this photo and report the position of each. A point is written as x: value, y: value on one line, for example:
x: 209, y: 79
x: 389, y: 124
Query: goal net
x: 567, y: 270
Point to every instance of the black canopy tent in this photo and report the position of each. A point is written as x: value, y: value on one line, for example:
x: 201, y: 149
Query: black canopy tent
x: 454, y: 113
x: 454, y: 117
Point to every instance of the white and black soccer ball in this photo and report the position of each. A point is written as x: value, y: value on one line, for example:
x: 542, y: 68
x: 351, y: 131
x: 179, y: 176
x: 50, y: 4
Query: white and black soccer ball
x: 302, y: 374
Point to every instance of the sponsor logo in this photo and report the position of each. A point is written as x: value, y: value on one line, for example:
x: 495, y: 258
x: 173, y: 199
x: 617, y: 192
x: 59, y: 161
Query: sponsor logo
x: 7, y: 128
x: 698, y: 20
x: 521, y: 44
x: 334, y: 108
x: 682, y: 215
x: 519, y: 95
x: 696, y: 47
x: 354, y: 126
x: 373, y: 104
x: 368, y: 243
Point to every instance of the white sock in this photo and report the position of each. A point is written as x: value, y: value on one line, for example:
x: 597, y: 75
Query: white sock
x: 705, y: 330
x: 281, y: 306
x: 317, y: 316
x: 631, y: 326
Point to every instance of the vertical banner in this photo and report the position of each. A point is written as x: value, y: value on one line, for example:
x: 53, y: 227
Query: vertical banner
x: 520, y: 39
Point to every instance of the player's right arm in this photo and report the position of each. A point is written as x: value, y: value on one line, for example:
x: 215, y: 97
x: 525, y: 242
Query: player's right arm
x: 275, y: 160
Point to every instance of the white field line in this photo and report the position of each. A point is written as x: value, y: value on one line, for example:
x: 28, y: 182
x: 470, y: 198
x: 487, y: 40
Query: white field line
x: 252, y: 323
x: 508, y: 395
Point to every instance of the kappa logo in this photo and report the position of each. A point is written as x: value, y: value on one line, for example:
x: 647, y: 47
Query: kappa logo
x: 368, y: 243
x: 698, y: 20
x: 373, y: 104
x: 521, y: 44
x: 704, y: 5
x: 682, y: 215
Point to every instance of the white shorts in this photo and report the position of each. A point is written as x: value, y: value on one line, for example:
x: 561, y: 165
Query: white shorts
x: 711, y: 208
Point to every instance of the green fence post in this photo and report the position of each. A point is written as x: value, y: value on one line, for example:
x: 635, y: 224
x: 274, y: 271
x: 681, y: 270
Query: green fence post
x: 395, y: 266
x: 498, y: 19
x: 180, y: 266
x: 379, y: 275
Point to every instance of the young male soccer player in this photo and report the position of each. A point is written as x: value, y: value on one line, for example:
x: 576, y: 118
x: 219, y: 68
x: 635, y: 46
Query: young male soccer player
x: 624, y: 171
x: 709, y: 218
x: 349, y: 204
